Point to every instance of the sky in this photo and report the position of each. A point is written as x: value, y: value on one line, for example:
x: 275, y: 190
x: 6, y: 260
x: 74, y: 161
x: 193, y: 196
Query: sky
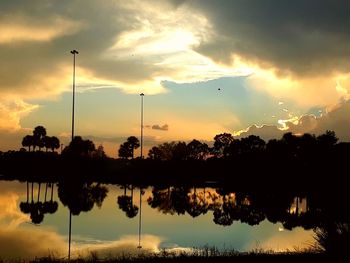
x: 205, y: 67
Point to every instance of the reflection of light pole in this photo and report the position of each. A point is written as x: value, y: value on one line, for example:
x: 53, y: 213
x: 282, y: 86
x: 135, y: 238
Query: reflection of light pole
x: 74, y: 52
x: 139, y: 246
x: 142, y: 123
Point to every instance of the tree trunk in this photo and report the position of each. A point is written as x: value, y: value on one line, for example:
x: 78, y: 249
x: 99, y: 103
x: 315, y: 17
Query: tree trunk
x: 39, y: 192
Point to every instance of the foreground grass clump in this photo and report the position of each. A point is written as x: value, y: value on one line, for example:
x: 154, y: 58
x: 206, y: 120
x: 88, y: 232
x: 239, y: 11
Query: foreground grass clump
x: 205, y: 255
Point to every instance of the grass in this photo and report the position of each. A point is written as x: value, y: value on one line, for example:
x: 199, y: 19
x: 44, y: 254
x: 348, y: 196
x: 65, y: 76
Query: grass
x: 206, y: 254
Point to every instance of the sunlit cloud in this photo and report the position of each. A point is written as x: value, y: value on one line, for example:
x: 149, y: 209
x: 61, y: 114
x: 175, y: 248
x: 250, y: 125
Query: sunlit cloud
x: 19, y: 28
x: 166, y: 39
x: 124, y: 246
x: 336, y: 119
x: 30, y: 243
x: 11, y: 113
x: 308, y: 91
x: 10, y: 216
x: 285, y: 241
x: 87, y: 81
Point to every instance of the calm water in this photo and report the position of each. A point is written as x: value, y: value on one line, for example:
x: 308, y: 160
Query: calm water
x: 109, y: 231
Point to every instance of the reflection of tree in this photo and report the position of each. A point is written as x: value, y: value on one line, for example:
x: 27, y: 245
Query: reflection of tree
x: 36, y: 208
x: 249, y: 207
x: 126, y: 204
x: 81, y: 196
x: 49, y: 206
x: 196, y: 203
x: 172, y: 200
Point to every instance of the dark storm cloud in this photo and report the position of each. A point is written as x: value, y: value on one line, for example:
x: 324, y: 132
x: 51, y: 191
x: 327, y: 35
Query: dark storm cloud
x: 301, y: 37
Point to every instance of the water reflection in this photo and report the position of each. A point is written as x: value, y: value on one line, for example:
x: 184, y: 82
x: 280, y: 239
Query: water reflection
x: 126, y: 203
x: 81, y: 196
x: 308, y: 211
x: 36, y: 207
x: 121, y: 213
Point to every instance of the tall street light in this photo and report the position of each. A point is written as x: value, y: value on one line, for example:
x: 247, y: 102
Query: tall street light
x: 74, y: 52
x: 142, y: 95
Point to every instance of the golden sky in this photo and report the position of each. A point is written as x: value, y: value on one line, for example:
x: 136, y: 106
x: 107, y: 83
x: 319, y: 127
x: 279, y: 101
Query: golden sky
x: 206, y: 67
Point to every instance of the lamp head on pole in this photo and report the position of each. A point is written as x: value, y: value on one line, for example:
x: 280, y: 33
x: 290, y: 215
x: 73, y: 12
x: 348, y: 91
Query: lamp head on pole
x: 74, y: 52
x: 141, y: 94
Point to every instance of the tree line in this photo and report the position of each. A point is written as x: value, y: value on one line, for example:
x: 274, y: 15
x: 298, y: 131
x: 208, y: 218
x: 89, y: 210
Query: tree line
x: 225, y: 146
x: 41, y: 140
x: 77, y: 147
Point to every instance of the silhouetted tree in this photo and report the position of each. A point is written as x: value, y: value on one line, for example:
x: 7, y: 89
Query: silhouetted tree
x: 127, y: 149
x: 327, y: 140
x: 166, y: 151
x: 55, y: 143
x: 179, y: 151
x: 79, y: 147
x: 100, y: 153
x: 155, y: 153
x: 28, y: 141
x: 221, y: 143
x: 197, y: 150
x: 39, y: 134
x: 134, y: 144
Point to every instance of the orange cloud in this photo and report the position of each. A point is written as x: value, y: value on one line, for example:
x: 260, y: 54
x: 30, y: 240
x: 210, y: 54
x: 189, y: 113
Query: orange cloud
x: 11, y: 113
x: 20, y: 28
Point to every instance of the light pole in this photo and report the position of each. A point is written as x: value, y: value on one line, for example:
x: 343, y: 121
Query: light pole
x: 74, y: 52
x: 142, y: 95
x: 139, y: 246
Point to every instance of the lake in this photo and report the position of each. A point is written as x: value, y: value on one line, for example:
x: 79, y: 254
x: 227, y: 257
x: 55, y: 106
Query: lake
x: 109, y: 219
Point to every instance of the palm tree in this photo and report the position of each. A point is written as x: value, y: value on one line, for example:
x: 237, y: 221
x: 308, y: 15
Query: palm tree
x: 39, y: 134
x: 47, y: 142
x: 55, y: 143
x: 28, y: 141
x: 123, y: 151
x: 134, y: 143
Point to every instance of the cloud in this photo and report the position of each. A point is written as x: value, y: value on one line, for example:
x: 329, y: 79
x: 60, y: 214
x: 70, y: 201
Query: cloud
x: 30, y: 243
x: 282, y: 241
x: 164, y: 127
x: 10, y: 216
x: 16, y: 28
x: 300, y: 37
x: 125, y: 246
x: 12, y: 111
x: 338, y: 120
